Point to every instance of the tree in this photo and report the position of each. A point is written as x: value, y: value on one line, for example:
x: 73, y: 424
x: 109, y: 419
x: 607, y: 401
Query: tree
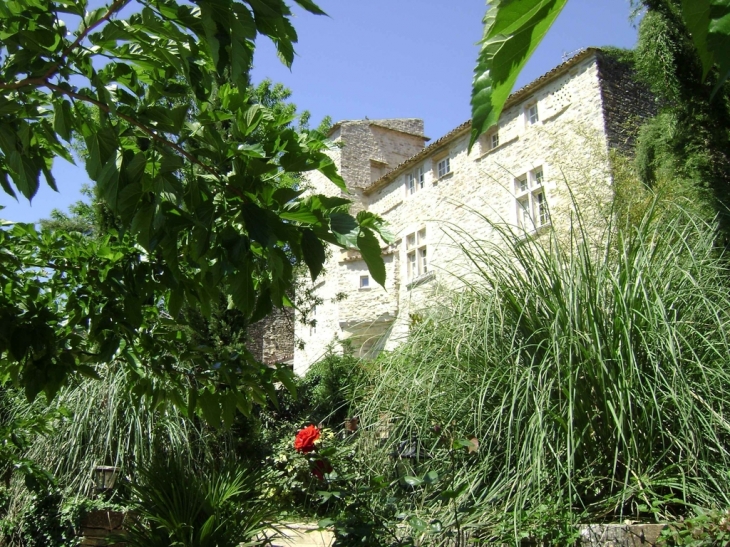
x: 188, y: 164
x: 514, y: 28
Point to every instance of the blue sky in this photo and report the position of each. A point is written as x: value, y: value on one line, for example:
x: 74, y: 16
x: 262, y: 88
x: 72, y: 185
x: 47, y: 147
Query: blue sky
x: 386, y: 58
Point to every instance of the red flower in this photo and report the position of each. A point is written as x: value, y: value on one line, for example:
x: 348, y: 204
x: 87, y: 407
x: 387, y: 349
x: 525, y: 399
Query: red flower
x: 320, y: 467
x: 304, y: 441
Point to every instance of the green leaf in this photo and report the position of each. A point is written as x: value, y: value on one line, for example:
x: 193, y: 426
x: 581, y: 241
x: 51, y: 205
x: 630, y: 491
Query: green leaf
x: 697, y: 18
x: 345, y: 229
x: 208, y: 403
x: 432, y: 477
x: 512, y: 31
x: 5, y: 183
x: 718, y: 38
x: 24, y: 175
x: 242, y: 289
x: 286, y: 376
x: 50, y: 180
x: 314, y: 253
x: 370, y: 250
x: 412, y: 481
x: 310, y: 7
x: 63, y: 122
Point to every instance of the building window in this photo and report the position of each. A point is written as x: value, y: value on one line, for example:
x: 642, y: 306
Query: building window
x: 416, y: 254
x: 494, y: 140
x: 532, y: 114
x: 415, y: 180
x: 532, y: 207
x: 364, y: 281
x: 443, y: 167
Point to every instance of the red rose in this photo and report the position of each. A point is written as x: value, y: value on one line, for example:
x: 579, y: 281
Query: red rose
x: 304, y: 441
x: 320, y: 467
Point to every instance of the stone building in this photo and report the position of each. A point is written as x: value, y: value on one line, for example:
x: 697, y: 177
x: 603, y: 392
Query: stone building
x: 554, y: 137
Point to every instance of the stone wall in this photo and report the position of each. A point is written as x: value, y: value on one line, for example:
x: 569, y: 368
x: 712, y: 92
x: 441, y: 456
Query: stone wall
x: 374, y: 147
x: 97, y: 527
x: 587, y: 107
x: 626, y: 102
x: 369, y: 148
x: 272, y: 338
x: 481, y: 187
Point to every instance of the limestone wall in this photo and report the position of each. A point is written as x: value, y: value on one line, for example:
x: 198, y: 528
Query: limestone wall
x: 345, y: 309
x: 556, y: 133
x: 567, y: 145
x: 271, y: 340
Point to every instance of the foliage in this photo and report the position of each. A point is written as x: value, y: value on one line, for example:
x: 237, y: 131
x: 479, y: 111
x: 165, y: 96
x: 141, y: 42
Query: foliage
x: 47, y: 518
x: 323, y: 398
x: 514, y: 28
x: 176, y: 506
x: 594, y: 381
x: 189, y: 164
x: 707, y: 529
x: 688, y: 141
x: 512, y: 31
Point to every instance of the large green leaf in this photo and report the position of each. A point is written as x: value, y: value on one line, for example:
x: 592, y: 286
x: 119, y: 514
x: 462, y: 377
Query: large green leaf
x: 512, y: 31
x: 709, y: 24
x: 370, y: 249
x: 314, y: 253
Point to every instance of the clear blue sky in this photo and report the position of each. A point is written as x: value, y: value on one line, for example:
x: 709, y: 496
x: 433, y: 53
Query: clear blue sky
x: 386, y: 58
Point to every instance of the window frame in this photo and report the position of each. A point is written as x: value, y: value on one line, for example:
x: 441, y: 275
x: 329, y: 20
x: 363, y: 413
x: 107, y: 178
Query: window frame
x: 531, y: 204
x: 446, y: 162
x: 532, y: 113
x: 415, y: 180
x: 416, y: 250
x: 366, y: 279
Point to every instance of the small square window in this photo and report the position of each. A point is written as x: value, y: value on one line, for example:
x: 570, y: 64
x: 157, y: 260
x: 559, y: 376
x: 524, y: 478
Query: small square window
x: 410, y: 241
x: 538, y: 177
x: 412, y: 265
x: 521, y: 184
x: 532, y: 115
x: 443, y: 167
x: 494, y: 140
x: 364, y: 281
x: 420, y: 179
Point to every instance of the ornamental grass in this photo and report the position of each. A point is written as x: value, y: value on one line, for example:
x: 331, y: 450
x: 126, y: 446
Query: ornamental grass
x: 594, y: 379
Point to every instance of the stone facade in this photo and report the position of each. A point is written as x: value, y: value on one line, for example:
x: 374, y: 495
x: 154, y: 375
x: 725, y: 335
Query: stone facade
x: 271, y: 340
x: 548, y: 153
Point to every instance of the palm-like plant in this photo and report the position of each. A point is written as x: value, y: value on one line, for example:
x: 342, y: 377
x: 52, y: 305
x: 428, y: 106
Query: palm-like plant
x: 175, y: 505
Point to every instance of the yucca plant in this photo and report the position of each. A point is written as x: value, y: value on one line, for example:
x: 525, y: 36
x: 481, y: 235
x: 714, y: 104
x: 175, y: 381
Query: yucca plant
x: 594, y: 379
x: 174, y: 505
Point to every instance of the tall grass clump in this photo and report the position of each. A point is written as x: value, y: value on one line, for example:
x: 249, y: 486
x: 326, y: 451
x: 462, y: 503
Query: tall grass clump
x: 594, y: 382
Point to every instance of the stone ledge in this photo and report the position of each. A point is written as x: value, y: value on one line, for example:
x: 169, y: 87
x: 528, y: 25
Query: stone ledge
x: 620, y: 535
x: 300, y: 535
